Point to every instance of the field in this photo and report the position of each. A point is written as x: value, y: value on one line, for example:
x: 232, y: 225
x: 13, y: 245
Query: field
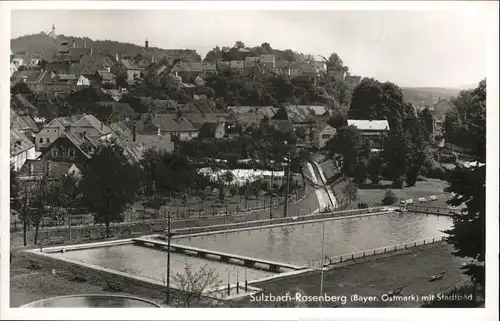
x: 412, y: 271
x: 373, y: 194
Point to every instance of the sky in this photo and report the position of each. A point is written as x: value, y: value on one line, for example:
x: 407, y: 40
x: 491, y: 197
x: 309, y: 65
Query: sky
x: 410, y: 48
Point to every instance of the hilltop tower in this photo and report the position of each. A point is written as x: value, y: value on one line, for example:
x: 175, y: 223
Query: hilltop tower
x: 146, y: 45
x: 53, y: 32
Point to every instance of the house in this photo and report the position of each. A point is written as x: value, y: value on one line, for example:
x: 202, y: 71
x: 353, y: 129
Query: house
x: 337, y: 74
x: 251, y: 62
x: 91, y: 127
x: 323, y: 134
x: 176, y: 126
x: 159, y: 106
x: 198, y: 81
x: 440, y: 108
x: 50, y: 132
x: 298, y: 69
x: 69, y: 147
x: 162, y: 143
x: 106, y: 77
x: 268, y: 61
x: 21, y: 149
x: 13, y: 67
x: 233, y: 65
x: 37, y: 168
x: 132, y: 71
x: 24, y: 123
x: 123, y: 112
x: 189, y: 70
x: 318, y: 62
x: 83, y: 81
x: 373, y: 130
x: 216, y: 124
x: 21, y: 105
x: 281, y: 68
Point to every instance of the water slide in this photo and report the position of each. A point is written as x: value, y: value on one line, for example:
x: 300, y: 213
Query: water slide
x: 321, y: 193
x: 331, y: 195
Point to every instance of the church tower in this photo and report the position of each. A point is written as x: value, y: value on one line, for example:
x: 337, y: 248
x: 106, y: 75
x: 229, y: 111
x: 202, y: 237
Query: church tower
x: 53, y: 32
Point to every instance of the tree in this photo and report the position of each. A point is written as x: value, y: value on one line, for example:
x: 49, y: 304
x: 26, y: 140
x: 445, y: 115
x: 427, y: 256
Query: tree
x: 468, y: 187
x: 40, y: 203
x: 121, y: 81
x: 375, y: 168
x: 427, y: 121
x: 109, y: 184
x: 64, y: 194
x: 351, y: 192
x: 194, y: 284
x: 346, y: 143
x: 20, y: 88
x: 389, y: 198
x: 395, y: 154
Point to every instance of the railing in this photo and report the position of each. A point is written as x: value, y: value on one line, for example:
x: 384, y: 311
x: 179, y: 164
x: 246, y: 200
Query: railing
x: 384, y: 250
x: 429, y: 209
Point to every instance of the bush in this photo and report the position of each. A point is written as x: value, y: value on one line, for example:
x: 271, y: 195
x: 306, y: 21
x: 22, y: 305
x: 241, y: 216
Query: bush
x: 362, y: 205
x: 233, y: 190
x: 389, y: 198
x: 399, y: 182
x: 437, y: 171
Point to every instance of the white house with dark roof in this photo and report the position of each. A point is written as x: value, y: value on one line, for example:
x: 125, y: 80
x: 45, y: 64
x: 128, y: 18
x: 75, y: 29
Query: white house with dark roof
x: 21, y: 149
x: 373, y: 130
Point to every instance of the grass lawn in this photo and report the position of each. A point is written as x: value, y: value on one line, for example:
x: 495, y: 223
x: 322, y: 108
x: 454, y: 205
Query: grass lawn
x: 375, y: 278
x: 373, y: 194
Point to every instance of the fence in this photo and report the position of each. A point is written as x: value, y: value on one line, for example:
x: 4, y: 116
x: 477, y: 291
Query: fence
x: 154, y: 216
x: 429, y: 209
x: 384, y: 250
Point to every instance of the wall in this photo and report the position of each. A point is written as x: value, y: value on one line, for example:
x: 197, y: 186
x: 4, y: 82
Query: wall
x: 50, y: 133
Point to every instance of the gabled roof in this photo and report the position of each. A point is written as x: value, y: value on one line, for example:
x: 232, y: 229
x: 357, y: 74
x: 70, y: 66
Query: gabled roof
x: 128, y: 64
x: 67, y: 77
x: 163, y: 106
x: 24, y: 123
x: 61, y: 122
x: 300, y: 114
x: 92, y: 122
x: 369, y: 125
x: 20, y: 101
x: 283, y: 126
x: 58, y: 67
x: 121, y: 130
x: 172, y: 123
x: 105, y: 75
x: 19, y: 142
x: 198, y: 119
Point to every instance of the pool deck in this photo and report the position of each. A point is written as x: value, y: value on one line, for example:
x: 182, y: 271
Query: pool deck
x: 274, y: 266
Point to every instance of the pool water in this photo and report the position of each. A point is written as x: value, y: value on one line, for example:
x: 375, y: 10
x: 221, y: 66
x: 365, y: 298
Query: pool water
x: 299, y: 243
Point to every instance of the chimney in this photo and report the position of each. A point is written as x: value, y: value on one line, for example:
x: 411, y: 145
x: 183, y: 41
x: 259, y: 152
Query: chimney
x: 133, y: 133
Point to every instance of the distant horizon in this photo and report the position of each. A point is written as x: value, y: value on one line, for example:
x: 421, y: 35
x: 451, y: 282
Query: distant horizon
x: 413, y: 49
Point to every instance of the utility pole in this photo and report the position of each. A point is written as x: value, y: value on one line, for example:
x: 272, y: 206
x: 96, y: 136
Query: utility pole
x: 169, y: 236
x: 272, y: 191
x: 322, y: 264
x: 287, y: 175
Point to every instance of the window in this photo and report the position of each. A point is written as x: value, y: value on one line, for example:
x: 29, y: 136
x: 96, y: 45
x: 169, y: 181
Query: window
x: 47, y: 140
x: 55, y: 152
x: 41, y: 139
x: 326, y: 136
x: 71, y: 152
